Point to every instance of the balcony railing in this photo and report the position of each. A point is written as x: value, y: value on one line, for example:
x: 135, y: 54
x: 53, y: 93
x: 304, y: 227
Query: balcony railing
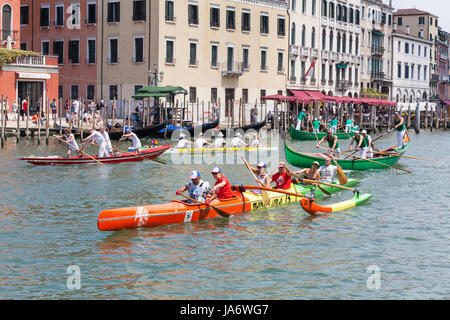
x: 434, y: 77
x: 343, y: 84
x: 14, y: 34
x: 315, y: 52
x: 325, y: 54
x: 31, y: 61
x: 443, y: 78
x: 377, y: 51
x: 232, y: 69
x: 294, y: 50
x: 376, y: 75
x: 304, y: 51
x: 323, y: 82
x: 293, y: 79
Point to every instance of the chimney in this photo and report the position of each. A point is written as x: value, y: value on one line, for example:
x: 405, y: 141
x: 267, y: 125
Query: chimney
x: 407, y: 29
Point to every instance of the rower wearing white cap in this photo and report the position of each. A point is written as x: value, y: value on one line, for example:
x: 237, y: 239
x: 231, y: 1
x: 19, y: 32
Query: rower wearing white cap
x: 197, y: 188
x: 255, y: 142
x: 133, y: 137
x: 237, y: 142
x: 201, y: 141
x: 262, y: 176
x: 97, y: 138
x: 220, y: 141
x: 183, y: 143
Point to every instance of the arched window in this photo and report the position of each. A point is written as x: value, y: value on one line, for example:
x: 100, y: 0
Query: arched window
x: 331, y: 41
x: 344, y: 43
x: 304, y: 6
x: 324, y: 39
x: 294, y: 4
x: 303, y: 36
x: 351, y: 19
x: 357, y: 16
x: 357, y: 46
x: 338, y: 12
x: 338, y: 43
x: 332, y: 15
x: 397, y: 98
x: 324, y: 8
x: 6, y: 22
x: 313, y: 38
x: 350, y: 45
x: 293, y: 34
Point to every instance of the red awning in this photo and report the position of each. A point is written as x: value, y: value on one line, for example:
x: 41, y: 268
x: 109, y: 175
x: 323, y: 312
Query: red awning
x: 318, y: 96
x: 300, y: 96
x: 447, y: 102
x: 277, y: 97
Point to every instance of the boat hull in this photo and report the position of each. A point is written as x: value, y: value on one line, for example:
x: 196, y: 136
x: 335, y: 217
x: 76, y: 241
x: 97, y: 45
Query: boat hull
x: 313, y: 208
x: 146, y: 154
x: 304, y: 136
x: 180, y: 212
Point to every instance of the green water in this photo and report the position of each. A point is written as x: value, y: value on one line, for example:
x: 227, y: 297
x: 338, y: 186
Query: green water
x: 48, y: 221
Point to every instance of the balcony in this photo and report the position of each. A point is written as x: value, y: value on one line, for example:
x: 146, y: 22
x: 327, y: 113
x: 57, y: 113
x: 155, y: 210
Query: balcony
x: 343, y: 84
x: 324, y: 21
x: 30, y: 61
x: 325, y: 55
x: 315, y: 53
x: 334, y: 56
x: 323, y: 82
x: 14, y: 34
x: 377, y: 75
x: 330, y: 82
x: 232, y: 69
x: 312, y: 81
x: 294, y: 50
x: 342, y: 25
x: 304, y: 52
x: 377, y: 51
x: 292, y: 80
x: 331, y: 22
x: 434, y: 77
x: 443, y: 78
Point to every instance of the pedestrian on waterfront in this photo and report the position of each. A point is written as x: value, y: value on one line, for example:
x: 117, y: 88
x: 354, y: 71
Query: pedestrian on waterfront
x: 198, y: 189
x: 53, y: 106
x: 24, y: 109
x: 38, y: 107
x: 222, y: 188
x: 399, y: 125
x: 283, y: 178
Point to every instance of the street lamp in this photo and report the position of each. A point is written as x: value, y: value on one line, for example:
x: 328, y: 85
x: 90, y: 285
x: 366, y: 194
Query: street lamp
x: 155, y: 75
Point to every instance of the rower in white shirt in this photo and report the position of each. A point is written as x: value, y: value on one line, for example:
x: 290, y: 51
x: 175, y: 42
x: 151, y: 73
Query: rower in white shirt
x: 220, y: 141
x: 237, y: 142
x: 97, y: 138
x: 183, y: 143
x: 108, y: 141
x: 201, y: 142
x: 255, y: 142
x: 134, y: 138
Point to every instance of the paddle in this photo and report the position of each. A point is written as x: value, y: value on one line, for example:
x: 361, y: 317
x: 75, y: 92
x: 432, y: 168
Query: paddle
x: 79, y: 150
x: 321, y: 189
x: 331, y: 185
x: 220, y: 212
x: 399, y: 155
x: 386, y: 165
x: 265, y: 196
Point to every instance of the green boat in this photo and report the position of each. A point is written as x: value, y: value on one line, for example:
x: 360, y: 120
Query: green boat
x: 303, y: 135
x: 306, y: 189
x: 305, y: 160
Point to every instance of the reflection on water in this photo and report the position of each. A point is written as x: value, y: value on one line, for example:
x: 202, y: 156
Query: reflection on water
x: 48, y: 222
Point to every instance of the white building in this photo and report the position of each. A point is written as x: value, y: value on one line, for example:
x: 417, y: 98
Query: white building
x: 410, y: 68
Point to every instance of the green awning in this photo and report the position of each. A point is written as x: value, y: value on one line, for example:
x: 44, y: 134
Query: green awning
x: 163, y: 90
x: 377, y: 33
x: 140, y: 96
x: 342, y: 66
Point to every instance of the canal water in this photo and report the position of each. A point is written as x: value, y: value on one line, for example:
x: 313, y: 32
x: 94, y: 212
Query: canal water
x: 396, y: 246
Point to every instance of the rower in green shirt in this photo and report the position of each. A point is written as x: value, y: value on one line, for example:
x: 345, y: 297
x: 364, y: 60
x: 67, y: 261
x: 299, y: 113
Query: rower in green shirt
x: 333, y: 143
x: 348, y: 125
x: 316, y: 125
x: 399, y: 125
x: 333, y: 124
x: 301, y: 116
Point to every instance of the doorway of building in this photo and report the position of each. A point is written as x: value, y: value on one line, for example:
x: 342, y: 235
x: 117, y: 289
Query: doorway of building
x: 229, y: 99
x: 33, y: 91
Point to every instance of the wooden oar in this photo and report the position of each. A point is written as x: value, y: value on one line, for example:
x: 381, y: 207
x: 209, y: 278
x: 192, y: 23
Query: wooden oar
x: 143, y: 158
x: 220, y: 212
x: 268, y: 189
x: 79, y: 150
x: 321, y: 189
x: 331, y: 185
x: 386, y: 165
x: 265, y: 196
x: 399, y: 155
x: 381, y: 136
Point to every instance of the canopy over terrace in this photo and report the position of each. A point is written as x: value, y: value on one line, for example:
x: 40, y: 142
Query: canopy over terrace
x: 158, y: 92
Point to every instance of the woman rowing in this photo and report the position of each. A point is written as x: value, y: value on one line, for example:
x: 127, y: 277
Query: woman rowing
x: 72, y: 144
x: 262, y: 176
x: 309, y: 174
x: 333, y: 143
x: 134, y: 138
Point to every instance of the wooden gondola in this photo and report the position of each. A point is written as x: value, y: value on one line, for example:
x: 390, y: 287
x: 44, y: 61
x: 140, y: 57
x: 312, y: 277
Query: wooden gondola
x: 167, y: 132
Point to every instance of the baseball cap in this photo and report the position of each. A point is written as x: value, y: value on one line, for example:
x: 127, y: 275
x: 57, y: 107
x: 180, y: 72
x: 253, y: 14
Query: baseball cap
x: 316, y: 163
x: 261, y: 165
x: 216, y: 170
x: 356, y: 132
x: 182, y: 136
x: 195, y: 174
x: 364, y: 131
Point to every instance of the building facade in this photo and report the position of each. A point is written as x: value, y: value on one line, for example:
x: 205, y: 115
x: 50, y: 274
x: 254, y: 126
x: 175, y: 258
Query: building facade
x: 410, y: 59
x: 217, y: 50
x: 9, y: 24
x: 425, y: 26
x: 376, y: 51
x: 68, y: 30
x: 443, y: 66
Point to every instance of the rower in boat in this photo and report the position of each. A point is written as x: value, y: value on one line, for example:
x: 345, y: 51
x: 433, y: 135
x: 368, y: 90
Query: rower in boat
x: 328, y: 172
x: 222, y: 188
x: 201, y: 142
x: 333, y: 124
x: 220, y: 141
x: 134, y: 138
x: 261, y: 176
x: 309, y: 173
x: 237, y: 142
x: 333, y: 143
x: 316, y: 125
x: 255, y: 142
x: 198, y: 189
x: 348, y: 125
x: 399, y: 125
x: 97, y: 138
x: 370, y: 146
x: 361, y: 142
x: 108, y: 141
x: 72, y: 144
x: 183, y: 143
x: 283, y: 178
x: 300, y: 118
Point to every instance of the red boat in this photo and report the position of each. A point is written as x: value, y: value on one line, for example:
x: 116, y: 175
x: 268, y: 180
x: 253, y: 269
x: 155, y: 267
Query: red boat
x: 146, y: 154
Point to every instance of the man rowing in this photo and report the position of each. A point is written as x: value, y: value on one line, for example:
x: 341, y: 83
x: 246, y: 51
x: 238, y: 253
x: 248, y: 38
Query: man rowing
x: 361, y: 144
x: 183, y: 143
x: 237, y: 142
x: 201, y: 142
x: 134, y: 138
x: 333, y: 143
x: 222, y: 188
x: 198, y: 189
x: 370, y: 146
x: 348, y: 125
x: 108, y: 141
x: 220, y: 141
x: 262, y: 176
x: 97, y: 138
x: 310, y: 173
x: 283, y: 178
x: 300, y: 118
x: 328, y: 172
x: 399, y: 125
x: 72, y: 144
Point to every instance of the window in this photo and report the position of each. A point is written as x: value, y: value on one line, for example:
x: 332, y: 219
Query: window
x: 399, y: 46
x: 331, y: 41
x: 419, y: 49
x: 406, y: 47
x: 214, y: 53
x: 425, y: 73
x: 281, y: 27
x: 324, y: 39
x: 74, y: 92
x: 357, y: 19
x: 59, y: 15
x: 74, y: 51
x: 114, y: 12
x: 113, y: 93
x: 294, y: 5
x: 245, y: 61
x: 303, y: 36
x: 412, y: 49
x: 421, y: 20
x: 424, y: 51
x: 418, y: 71
x: 313, y: 38
x: 323, y: 72
x: 262, y: 93
x: 75, y: 14
x: 113, y: 50
x: 412, y: 72
x: 264, y: 24
x: 293, y: 34
x: 45, y: 16
x: 264, y: 59
x: 24, y: 15
x: 137, y: 88
x: 302, y: 69
x: 45, y: 48
x: 92, y: 13
x: 214, y: 17
x: 406, y: 71
x: 244, y: 96
x: 313, y: 8
x: 138, y: 10
x: 90, y: 92
x: 332, y: 10
x: 193, y: 54
x: 169, y: 51
x: 60, y: 92
x: 399, y: 21
x: 170, y: 10
x: 246, y: 21
x: 231, y: 19
x: 192, y: 94
x: 193, y: 14
x: 280, y: 62
x: 58, y: 50
x: 91, y: 51
x: 213, y: 95
x: 303, y: 6
x: 138, y: 49
x: 389, y: 19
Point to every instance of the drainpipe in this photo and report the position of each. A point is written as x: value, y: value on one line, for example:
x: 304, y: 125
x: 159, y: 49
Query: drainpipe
x: 289, y: 43
x: 102, y: 52
x: 149, y: 39
x: 32, y: 25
